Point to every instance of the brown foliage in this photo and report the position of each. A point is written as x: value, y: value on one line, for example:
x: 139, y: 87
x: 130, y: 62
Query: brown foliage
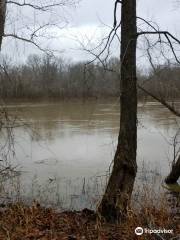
x: 20, y: 222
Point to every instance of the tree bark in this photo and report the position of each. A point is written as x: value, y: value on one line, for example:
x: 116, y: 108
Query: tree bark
x: 2, y: 19
x: 113, y: 207
x: 174, y: 174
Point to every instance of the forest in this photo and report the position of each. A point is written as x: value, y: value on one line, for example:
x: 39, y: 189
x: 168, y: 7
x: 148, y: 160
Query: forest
x: 49, y: 77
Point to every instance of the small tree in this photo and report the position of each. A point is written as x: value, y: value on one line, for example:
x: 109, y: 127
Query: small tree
x: 113, y: 207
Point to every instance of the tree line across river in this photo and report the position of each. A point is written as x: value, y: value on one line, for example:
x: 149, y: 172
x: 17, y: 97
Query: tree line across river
x: 45, y: 76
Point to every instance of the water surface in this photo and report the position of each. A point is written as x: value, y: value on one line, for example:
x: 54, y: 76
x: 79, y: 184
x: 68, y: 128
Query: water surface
x: 74, y: 141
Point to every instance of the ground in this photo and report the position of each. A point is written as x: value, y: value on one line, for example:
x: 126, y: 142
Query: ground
x: 20, y: 222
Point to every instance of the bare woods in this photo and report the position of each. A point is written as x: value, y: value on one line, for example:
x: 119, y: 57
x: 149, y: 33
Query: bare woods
x: 45, y: 76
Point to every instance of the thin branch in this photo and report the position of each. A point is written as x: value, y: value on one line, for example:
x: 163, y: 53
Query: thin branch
x: 159, y: 32
x: 160, y: 100
x: 115, y: 10
x: 148, y: 23
x: 37, y: 7
x: 172, y: 48
x: 167, y: 35
x: 109, y: 39
x: 28, y: 41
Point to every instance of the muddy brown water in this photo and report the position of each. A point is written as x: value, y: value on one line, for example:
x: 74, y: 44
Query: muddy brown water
x: 64, y: 144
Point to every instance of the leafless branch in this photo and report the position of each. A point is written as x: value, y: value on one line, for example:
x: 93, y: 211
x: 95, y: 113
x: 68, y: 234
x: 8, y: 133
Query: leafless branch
x: 160, y: 100
x: 47, y: 51
x: 115, y: 10
x: 108, y: 41
x: 159, y: 32
x: 40, y: 7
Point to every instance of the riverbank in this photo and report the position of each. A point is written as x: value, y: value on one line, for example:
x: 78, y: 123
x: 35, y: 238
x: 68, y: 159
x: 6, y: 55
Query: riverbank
x: 18, y: 221
x: 58, y: 99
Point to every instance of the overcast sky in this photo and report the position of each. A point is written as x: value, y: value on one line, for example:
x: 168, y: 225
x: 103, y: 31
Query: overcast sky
x: 88, y: 20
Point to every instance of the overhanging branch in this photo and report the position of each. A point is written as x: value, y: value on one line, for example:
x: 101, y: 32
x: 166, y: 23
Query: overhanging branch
x: 38, y: 7
x: 159, y: 32
x: 28, y: 41
x: 168, y: 37
x: 160, y: 100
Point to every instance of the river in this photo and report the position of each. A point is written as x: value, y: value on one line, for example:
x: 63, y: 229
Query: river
x: 65, y: 148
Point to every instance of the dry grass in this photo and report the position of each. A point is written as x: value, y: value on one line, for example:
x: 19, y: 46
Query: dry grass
x: 20, y: 222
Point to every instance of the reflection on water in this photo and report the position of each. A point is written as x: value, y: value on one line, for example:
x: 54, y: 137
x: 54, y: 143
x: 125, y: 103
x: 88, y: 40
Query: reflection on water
x: 71, y: 141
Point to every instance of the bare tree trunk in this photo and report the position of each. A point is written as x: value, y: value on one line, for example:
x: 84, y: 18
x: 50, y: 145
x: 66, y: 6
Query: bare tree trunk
x: 113, y: 207
x: 175, y: 173
x: 2, y: 19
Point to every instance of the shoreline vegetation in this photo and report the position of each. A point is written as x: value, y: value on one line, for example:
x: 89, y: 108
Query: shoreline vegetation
x: 19, y: 221
x: 150, y: 209
x: 69, y: 99
x: 45, y: 77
